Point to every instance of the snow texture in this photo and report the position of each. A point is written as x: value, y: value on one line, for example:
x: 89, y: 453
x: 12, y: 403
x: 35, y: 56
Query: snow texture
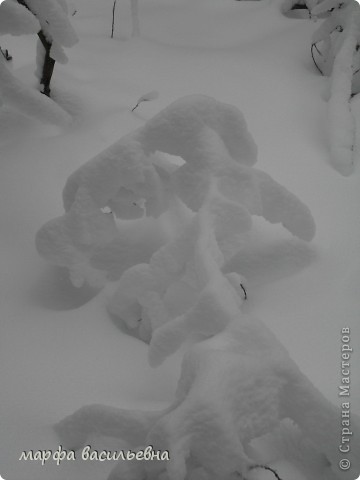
x: 235, y: 387
x: 54, y: 21
x: 133, y: 181
x: 135, y: 18
x: 29, y: 101
x: 16, y: 19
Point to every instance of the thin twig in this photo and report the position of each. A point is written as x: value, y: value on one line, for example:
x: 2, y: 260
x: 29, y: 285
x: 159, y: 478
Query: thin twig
x: 265, y: 467
x: 113, y: 19
x: 312, y: 54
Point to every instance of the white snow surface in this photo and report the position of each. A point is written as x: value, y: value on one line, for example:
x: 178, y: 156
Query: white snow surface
x: 28, y: 100
x: 60, y: 350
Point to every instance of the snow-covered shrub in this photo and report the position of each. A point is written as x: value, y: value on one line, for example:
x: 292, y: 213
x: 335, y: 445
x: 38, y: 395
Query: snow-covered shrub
x: 48, y: 19
x: 336, y: 53
x: 133, y: 180
x: 235, y: 387
x: 211, y: 197
x: 238, y: 382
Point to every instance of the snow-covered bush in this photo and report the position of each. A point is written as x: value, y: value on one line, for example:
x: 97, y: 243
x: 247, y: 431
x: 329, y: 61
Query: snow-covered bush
x: 235, y: 387
x: 238, y: 383
x: 48, y: 19
x: 336, y: 53
x: 132, y: 180
x: 211, y: 198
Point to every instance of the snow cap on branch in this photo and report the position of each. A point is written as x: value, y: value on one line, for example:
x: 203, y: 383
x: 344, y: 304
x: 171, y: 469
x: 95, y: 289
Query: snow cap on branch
x: 54, y: 21
x: 336, y: 53
x: 15, y: 19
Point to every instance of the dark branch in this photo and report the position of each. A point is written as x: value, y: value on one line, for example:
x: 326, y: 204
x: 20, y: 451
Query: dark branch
x: 312, y: 54
x: 113, y: 19
x: 265, y: 467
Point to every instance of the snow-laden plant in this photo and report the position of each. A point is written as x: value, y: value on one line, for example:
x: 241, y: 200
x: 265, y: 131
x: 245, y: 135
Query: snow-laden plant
x: 132, y: 180
x: 336, y: 53
x: 210, y: 198
x: 238, y: 382
x: 48, y: 19
x: 235, y: 387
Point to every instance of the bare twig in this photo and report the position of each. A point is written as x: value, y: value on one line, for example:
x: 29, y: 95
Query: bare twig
x: 265, y: 467
x: 146, y: 98
x: 113, y: 19
x: 6, y: 54
x: 312, y: 54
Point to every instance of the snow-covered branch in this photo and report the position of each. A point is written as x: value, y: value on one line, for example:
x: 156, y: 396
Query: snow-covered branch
x: 335, y: 49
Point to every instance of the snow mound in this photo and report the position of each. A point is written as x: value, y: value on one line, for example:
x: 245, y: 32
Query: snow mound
x: 28, y: 100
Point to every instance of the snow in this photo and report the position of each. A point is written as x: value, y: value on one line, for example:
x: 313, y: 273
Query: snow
x: 338, y: 38
x: 16, y: 19
x: 211, y: 137
x: 342, y: 124
x: 28, y: 100
x: 54, y: 21
x: 51, y: 18
x: 59, y: 348
x: 235, y: 387
x: 135, y: 18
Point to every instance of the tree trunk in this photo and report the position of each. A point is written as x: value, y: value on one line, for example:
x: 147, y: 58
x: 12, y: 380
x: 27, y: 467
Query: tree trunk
x: 48, y: 65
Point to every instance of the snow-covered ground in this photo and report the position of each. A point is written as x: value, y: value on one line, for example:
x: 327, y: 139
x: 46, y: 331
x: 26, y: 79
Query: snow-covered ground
x: 59, y: 348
